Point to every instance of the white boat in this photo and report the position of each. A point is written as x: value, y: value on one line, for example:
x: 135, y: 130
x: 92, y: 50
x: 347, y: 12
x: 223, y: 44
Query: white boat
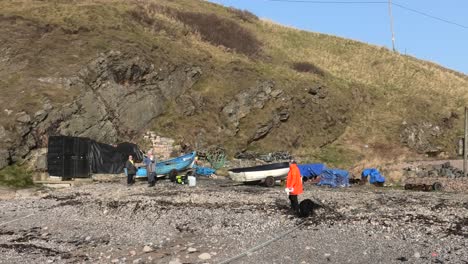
x: 267, y: 174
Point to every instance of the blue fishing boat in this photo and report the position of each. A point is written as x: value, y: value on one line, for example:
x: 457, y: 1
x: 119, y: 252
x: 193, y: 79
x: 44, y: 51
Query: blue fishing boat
x: 179, y: 164
x: 172, y: 166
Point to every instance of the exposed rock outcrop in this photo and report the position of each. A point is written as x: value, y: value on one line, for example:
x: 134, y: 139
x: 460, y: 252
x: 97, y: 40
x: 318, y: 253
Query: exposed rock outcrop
x: 121, y: 94
x: 262, y: 131
x: 280, y: 115
x: 23, y: 118
x: 243, y: 103
x: 190, y: 103
x: 420, y: 137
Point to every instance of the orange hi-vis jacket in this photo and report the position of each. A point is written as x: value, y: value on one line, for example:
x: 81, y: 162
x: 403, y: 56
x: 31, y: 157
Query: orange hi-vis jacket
x: 294, y: 180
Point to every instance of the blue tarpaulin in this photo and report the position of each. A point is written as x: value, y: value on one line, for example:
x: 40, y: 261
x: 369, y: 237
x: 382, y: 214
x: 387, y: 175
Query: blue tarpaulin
x: 204, y: 171
x: 375, y: 176
x: 141, y: 172
x: 334, y: 178
x: 311, y: 170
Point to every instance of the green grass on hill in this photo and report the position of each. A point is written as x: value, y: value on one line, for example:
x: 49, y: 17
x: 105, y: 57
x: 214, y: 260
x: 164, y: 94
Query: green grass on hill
x: 371, y: 90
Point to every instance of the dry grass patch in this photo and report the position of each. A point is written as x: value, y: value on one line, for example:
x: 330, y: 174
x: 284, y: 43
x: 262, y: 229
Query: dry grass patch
x: 243, y: 15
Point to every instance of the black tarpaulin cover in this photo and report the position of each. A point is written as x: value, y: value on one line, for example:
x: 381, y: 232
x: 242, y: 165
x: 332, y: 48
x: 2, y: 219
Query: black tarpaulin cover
x: 109, y: 159
x: 64, y: 152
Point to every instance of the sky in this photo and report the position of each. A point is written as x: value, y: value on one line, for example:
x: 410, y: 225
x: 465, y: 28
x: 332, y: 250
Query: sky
x: 415, y: 34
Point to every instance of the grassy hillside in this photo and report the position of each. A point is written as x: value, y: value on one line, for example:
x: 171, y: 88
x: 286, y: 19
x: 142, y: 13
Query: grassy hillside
x: 370, y: 91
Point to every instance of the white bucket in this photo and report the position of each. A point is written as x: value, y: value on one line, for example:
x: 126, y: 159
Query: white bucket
x: 192, y: 181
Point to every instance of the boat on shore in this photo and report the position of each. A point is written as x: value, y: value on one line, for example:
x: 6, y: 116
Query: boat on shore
x: 172, y: 166
x: 267, y: 174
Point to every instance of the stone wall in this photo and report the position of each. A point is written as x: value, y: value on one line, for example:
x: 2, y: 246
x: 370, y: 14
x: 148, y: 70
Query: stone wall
x: 162, y: 147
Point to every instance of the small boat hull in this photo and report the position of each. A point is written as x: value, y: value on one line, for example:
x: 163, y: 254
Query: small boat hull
x: 260, y: 173
x: 178, y: 164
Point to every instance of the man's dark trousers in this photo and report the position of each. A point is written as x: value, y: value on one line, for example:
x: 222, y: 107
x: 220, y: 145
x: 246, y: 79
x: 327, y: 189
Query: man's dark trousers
x: 130, y: 178
x: 151, y: 178
x: 294, y: 203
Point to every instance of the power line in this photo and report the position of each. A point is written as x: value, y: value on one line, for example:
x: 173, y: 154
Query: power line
x: 430, y: 16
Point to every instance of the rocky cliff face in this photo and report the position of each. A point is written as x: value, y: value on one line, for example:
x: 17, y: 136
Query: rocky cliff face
x: 242, y: 104
x: 120, y: 95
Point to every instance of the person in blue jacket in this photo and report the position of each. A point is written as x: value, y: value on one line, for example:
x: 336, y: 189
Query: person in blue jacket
x: 150, y: 169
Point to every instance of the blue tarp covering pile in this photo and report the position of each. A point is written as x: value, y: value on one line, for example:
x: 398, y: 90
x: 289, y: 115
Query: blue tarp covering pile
x: 375, y: 176
x: 204, y: 171
x: 141, y: 172
x: 334, y: 178
x: 311, y: 170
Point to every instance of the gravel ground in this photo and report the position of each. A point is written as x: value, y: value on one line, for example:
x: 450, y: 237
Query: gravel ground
x: 217, y: 220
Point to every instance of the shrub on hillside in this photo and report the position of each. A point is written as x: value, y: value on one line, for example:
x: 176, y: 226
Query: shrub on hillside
x: 221, y: 31
x: 141, y: 16
x: 244, y: 15
x: 15, y: 176
x: 307, y: 67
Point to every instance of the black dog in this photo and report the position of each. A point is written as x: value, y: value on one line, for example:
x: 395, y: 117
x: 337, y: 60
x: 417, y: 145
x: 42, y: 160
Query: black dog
x: 306, y: 208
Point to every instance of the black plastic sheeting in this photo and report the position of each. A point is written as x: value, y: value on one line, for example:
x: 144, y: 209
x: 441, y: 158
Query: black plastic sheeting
x: 68, y: 157
x: 73, y: 157
x: 107, y: 159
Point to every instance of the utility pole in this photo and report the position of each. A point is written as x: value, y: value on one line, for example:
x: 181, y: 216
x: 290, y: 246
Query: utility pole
x: 391, y: 23
x: 465, y: 145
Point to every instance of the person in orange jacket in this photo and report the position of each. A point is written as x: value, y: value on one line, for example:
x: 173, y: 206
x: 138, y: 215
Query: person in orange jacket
x: 294, y: 185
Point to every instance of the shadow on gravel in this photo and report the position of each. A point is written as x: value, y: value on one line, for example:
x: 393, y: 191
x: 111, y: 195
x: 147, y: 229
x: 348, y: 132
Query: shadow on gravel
x: 322, y: 213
